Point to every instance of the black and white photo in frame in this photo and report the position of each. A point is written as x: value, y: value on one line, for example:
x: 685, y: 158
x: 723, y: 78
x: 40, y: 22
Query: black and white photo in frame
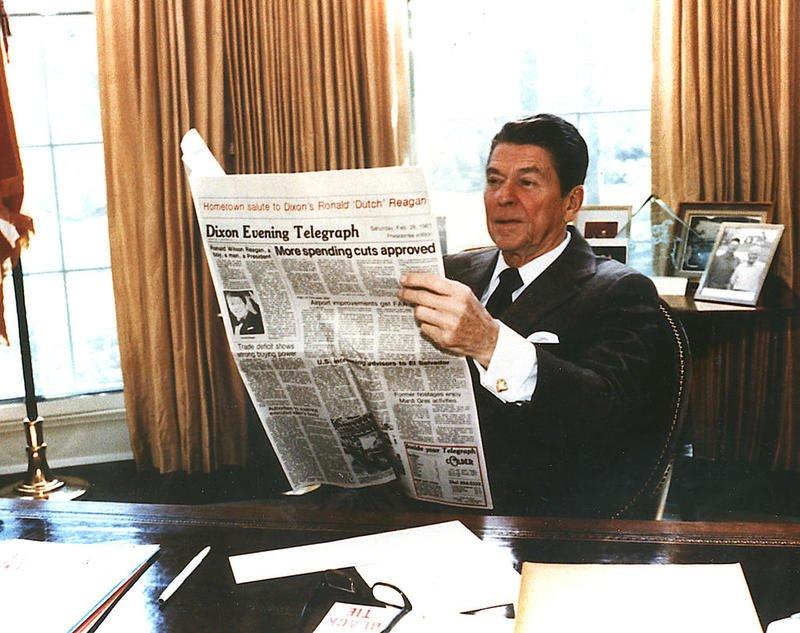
x: 700, y: 226
x: 739, y: 262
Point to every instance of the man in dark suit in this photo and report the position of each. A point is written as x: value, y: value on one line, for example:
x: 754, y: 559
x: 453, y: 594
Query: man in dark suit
x: 563, y: 346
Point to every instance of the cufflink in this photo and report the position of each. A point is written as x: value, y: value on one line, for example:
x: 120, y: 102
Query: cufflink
x: 501, y: 385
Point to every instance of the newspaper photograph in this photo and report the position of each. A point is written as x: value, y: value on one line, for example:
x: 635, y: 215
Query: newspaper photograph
x: 305, y: 268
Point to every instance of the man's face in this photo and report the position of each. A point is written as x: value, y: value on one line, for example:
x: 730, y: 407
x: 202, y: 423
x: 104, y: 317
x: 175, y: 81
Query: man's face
x: 733, y: 245
x: 525, y: 211
x: 237, y: 306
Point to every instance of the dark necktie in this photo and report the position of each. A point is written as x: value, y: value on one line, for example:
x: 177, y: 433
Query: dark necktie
x: 501, y: 297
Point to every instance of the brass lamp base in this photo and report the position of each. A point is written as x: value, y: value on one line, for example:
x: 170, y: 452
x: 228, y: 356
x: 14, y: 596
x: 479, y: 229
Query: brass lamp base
x: 39, y: 483
x: 59, y: 489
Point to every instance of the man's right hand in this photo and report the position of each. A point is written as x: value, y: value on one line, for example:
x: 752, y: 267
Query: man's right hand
x: 450, y: 315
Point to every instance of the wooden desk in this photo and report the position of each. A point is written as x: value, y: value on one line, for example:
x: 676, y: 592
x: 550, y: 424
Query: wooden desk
x: 210, y: 601
x: 686, y: 308
x: 739, y: 408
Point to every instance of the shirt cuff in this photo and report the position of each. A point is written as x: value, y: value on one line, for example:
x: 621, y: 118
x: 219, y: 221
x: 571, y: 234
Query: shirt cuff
x: 512, y: 371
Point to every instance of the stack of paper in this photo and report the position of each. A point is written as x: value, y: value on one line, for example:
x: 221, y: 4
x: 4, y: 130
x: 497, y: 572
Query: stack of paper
x: 82, y: 581
x: 634, y: 598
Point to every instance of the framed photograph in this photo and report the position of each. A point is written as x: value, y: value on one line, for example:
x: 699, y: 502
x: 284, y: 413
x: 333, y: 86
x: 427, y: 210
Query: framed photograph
x: 603, y: 222
x: 701, y: 222
x: 739, y: 262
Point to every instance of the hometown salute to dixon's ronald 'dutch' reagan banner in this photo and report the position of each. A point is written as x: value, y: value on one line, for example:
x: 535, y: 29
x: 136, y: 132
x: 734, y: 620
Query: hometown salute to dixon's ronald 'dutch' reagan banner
x: 305, y: 268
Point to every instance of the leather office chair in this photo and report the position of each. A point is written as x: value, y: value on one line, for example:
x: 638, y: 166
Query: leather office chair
x: 649, y: 501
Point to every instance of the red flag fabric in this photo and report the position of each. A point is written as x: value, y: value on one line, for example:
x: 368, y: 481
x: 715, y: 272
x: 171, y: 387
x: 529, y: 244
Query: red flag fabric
x: 14, y: 226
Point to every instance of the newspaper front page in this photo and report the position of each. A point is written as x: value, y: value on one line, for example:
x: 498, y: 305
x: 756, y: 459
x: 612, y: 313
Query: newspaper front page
x: 305, y: 268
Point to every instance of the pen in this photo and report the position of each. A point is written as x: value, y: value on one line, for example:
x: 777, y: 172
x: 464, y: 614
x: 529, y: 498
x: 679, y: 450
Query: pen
x: 178, y: 580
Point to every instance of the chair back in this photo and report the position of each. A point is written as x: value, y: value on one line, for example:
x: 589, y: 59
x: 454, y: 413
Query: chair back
x: 648, y: 502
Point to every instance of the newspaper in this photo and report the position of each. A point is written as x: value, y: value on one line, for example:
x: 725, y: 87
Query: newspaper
x: 305, y: 268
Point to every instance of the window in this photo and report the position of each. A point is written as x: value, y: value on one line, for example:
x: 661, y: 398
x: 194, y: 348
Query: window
x: 478, y: 64
x: 52, y: 78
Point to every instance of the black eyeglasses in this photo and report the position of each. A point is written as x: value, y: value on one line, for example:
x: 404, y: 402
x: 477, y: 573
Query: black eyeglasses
x: 339, y: 586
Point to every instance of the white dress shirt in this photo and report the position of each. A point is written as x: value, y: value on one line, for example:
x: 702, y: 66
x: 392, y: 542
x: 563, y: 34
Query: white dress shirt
x: 514, y: 366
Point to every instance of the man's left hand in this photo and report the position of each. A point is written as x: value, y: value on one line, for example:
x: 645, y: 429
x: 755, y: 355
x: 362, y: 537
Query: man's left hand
x: 450, y: 315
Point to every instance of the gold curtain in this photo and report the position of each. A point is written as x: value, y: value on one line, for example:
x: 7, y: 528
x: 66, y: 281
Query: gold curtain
x: 271, y: 86
x: 315, y: 85
x: 161, y: 73
x: 725, y: 127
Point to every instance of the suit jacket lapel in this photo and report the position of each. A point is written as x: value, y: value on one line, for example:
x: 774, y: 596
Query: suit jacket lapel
x: 553, y: 287
x: 479, y: 272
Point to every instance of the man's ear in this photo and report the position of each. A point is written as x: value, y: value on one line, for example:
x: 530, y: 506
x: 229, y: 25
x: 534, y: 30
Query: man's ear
x: 573, y: 203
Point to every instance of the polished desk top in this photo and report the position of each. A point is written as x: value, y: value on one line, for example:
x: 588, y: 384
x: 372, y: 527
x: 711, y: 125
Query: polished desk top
x: 687, y: 306
x: 211, y: 601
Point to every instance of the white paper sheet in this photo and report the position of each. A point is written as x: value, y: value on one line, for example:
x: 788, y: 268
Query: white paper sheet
x: 785, y: 625
x: 442, y: 567
x: 360, y: 550
x: 83, y: 577
x: 197, y: 158
x: 449, y: 580
x: 670, y: 286
x: 703, y: 306
x: 634, y: 598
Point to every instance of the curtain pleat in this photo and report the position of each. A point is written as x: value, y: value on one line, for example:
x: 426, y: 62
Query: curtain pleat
x: 272, y: 86
x: 725, y: 128
x: 161, y: 74
x: 319, y: 85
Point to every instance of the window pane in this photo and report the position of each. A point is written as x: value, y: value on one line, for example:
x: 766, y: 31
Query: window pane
x: 478, y: 65
x: 80, y: 183
x: 27, y: 68
x: 619, y: 156
x: 511, y: 56
x: 49, y: 330
x: 73, y: 352
x: 71, y: 59
x: 586, y: 56
x: 67, y: 276
x: 40, y: 204
x: 466, y: 225
x: 11, y: 385
x: 94, y: 331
